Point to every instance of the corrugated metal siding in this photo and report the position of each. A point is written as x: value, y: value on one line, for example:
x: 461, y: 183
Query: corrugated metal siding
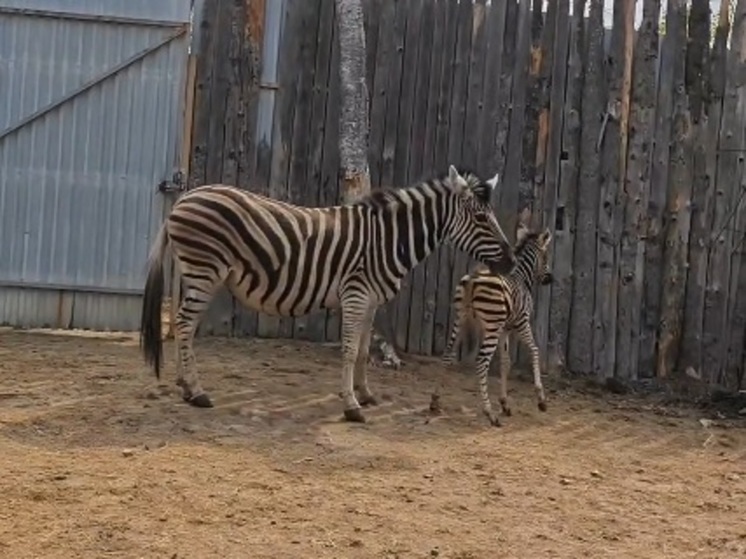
x: 78, y: 202
x: 176, y: 11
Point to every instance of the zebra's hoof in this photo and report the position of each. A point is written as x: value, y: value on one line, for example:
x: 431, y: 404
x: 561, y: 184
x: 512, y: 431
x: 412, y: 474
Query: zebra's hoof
x: 543, y: 406
x: 354, y: 415
x: 507, y: 412
x: 368, y: 401
x: 494, y: 420
x: 200, y: 401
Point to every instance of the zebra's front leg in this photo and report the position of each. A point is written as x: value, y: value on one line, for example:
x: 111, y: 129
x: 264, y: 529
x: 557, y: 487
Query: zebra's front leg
x: 484, y: 358
x: 365, y: 396
x: 354, y: 312
x: 504, y: 370
x: 192, y: 307
x: 527, y: 336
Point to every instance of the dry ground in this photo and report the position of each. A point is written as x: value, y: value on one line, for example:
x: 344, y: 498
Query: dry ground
x: 97, y: 460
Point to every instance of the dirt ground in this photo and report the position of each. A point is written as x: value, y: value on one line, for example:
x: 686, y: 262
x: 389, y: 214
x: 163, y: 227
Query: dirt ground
x: 98, y: 460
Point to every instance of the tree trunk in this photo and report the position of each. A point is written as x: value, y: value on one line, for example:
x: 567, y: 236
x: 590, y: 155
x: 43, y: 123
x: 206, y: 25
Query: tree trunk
x: 353, y: 139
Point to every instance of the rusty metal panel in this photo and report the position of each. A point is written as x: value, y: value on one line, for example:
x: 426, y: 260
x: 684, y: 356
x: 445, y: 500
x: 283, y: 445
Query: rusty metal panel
x: 90, y: 123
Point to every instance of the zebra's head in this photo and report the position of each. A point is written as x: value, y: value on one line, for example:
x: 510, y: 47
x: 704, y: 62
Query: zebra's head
x: 473, y: 227
x: 532, y: 252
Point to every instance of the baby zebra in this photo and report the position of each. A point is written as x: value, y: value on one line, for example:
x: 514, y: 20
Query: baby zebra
x: 489, y: 306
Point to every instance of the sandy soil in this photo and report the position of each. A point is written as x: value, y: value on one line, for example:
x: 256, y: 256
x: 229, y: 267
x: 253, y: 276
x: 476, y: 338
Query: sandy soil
x: 98, y: 460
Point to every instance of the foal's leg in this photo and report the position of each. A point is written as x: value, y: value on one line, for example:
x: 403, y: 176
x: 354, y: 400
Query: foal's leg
x: 449, y: 355
x: 504, y: 370
x: 366, y: 397
x: 484, y: 357
x: 527, y: 336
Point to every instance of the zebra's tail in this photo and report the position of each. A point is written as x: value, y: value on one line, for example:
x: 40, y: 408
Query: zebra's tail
x: 151, y: 343
x: 471, y: 333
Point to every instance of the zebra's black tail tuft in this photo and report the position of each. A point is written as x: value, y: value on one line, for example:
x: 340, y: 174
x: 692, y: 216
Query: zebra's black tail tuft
x: 151, y: 343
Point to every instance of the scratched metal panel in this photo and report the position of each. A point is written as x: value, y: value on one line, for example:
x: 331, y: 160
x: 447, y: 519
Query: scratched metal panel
x: 176, y: 11
x: 78, y: 202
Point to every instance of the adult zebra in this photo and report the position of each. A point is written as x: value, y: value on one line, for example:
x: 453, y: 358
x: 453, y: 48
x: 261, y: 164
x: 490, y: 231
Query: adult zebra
x: 287, y: 260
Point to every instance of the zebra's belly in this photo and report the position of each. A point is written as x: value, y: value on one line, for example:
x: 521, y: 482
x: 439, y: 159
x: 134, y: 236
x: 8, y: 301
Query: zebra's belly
x: 276, y: 302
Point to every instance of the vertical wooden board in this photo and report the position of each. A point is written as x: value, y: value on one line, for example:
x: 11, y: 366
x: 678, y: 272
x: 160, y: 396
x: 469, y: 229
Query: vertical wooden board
x: 380, y: 94
x: 299, y: 189
x: 330, y: 162
x: 415, y: 167
x: 282, y: 125
x: 634, y: 195
x: 475, y: 101
x: 656, y: 204
x: 698, y: 86
x: 714, y: 304
x: 459, y: 71
x: 444, y: 256
x: 551, y: 168
x: 218, y: 319
x: 736, y: 319
x: 404, y: 147
x: 487, y: 150
x: 580, y: 338
x: 314, y: 327
x: 247, y: 60
x: 612, y: 180
x: 388, y: 314
x: 439, y: 51
x: 567, y: 194
x: 510, y: 192
x: 202, y: 98
x: 371, y: 11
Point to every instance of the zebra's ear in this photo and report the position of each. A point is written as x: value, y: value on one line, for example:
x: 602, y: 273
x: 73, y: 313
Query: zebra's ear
x: 493, y: 181
x: 545, y: 238
x: 454, y: 176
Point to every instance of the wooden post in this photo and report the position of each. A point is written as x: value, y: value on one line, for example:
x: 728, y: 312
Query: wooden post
x: 634, y: 195
x: 678, y: 216
x: 580, y: 350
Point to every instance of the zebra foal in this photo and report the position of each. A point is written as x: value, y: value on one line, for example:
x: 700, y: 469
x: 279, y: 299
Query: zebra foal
x: 489, y: 306
x: 288, y: 260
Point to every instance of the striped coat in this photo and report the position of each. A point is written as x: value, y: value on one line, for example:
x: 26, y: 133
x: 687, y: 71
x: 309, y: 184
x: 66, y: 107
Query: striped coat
x: 287, y: 260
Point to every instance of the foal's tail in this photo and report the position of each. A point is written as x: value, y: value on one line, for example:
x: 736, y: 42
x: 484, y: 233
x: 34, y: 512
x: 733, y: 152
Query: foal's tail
x: 150, y: 319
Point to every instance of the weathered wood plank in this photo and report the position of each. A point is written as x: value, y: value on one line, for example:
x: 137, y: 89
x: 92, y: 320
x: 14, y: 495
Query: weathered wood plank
x: 714, y: 304
x: 634, y: 196
x: 564, y: 223
x: 698, y: 86
x: 404, y: 146
x: 514, y: 181
x: 416, y: 167
x: 678, y: 202
x: 330, y: 183
x: 313, y: 327
x: 580, y: 344
x: 548, y: 157
x: 440, y: 49
x: 380, y: 94
x: 488, y: 152
x: 732, y: 374
x: 459, y: 70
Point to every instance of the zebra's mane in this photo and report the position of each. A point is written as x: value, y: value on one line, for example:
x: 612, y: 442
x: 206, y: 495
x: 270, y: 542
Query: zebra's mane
x: 520, y: 245
x: 382, y: 198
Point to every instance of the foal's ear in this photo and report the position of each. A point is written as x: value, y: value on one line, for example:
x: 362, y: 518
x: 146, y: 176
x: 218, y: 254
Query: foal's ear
x: 545, y: 238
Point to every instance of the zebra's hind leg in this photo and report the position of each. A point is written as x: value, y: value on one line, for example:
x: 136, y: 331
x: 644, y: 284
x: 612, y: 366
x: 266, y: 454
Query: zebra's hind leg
x: 484, y: 357
x: 365, y: 396
x: 504, y: 370
x: 195, y: 301
x: 527, y: 336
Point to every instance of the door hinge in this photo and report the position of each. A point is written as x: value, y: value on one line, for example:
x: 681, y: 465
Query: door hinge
x: 177, y: 183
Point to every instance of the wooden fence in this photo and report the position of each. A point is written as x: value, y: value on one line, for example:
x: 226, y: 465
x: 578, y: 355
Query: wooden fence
x: 629, y: 145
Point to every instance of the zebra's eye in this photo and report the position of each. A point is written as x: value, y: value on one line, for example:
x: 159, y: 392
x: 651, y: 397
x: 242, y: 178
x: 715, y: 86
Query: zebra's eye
x: 481, y: 217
